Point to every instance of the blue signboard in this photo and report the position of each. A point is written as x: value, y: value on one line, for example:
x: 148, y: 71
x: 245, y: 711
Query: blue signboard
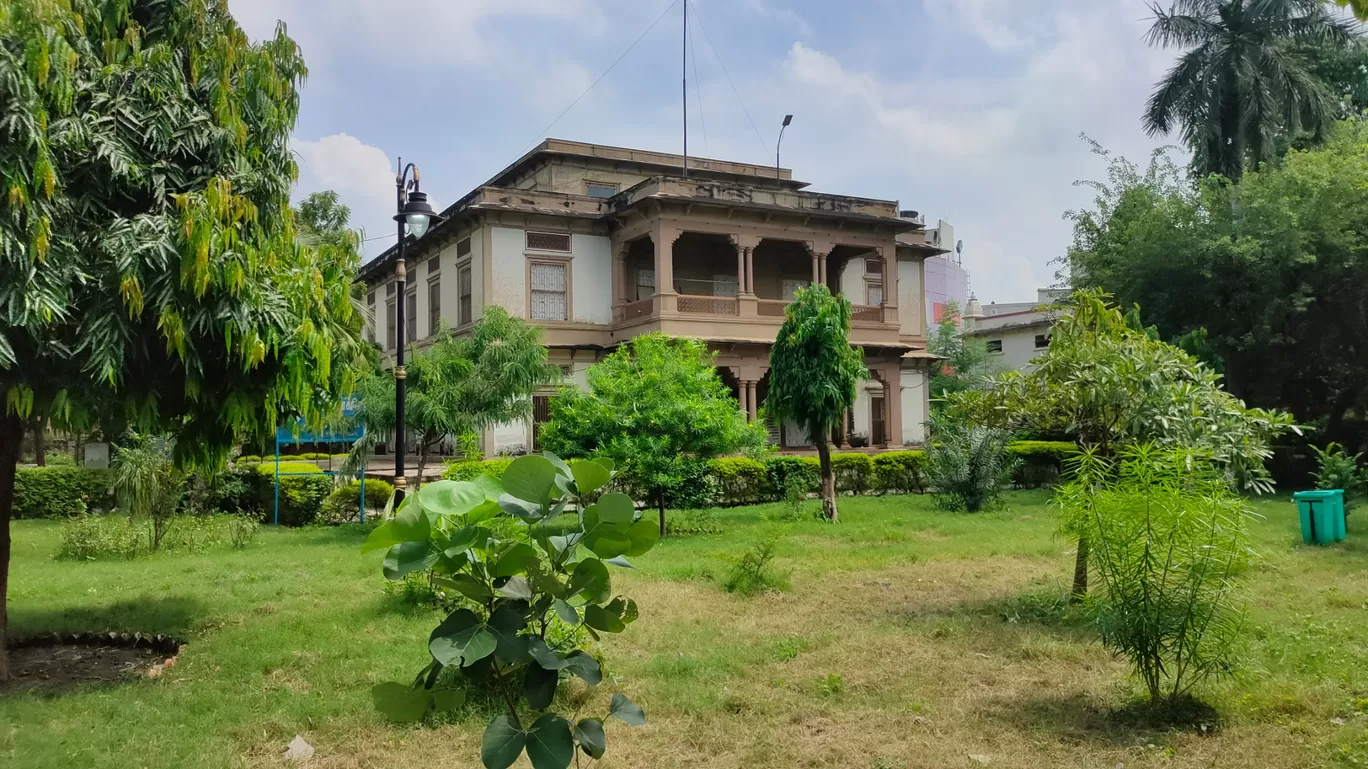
x: 347, y: 432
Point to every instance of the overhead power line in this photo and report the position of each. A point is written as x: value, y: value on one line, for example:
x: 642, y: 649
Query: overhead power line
x: 699, y: 19
x: 552, y: 124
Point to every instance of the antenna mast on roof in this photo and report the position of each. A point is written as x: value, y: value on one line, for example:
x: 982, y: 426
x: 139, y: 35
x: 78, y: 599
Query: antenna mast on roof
x: 684, y: 49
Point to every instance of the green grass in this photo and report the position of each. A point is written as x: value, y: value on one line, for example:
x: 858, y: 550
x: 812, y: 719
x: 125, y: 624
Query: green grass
x: 910, y: 637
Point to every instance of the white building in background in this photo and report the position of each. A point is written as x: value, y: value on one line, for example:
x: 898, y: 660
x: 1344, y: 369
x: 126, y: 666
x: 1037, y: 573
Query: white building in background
x: 1016, y: 332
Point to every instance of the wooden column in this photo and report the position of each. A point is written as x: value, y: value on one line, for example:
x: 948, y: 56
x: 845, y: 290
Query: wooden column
x: 816, y: 267
x: 741, y: 396
x: 892, y: 409
x: 664, y: 236
x: 822, y: 270
x: 751, y: 399
x: 845, y: 429
x: 750, y: 269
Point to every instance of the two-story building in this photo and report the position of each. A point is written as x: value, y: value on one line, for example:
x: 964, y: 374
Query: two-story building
x: 599, y: 244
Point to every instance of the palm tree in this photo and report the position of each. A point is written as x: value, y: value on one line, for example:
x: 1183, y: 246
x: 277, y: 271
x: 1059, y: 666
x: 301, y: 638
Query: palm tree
x: 1245, y: 79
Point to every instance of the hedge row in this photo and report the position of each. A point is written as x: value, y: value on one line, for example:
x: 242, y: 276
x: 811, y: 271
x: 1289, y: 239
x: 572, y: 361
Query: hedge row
x: 743, y: 481
x: 57, y: 492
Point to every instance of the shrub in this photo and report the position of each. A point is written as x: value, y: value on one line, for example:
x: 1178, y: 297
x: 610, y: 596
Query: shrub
x: 248, y: 459
x: 343, y: 505
x: 470, y: 469
x: 853, y: 472
x: 241, y: 531
x: 899, y: 472
x: 693, y: 521
x: 87, y: 537
x: 1168, y: 540
x: 753, y: 572
x: 147, y: 484
x: 740, y: 480
x: 969, y: 467
x: 692, y: 487
x: 301, y: 496
x: 59, y: 492
x: 1041, y: 461
x: 1336, y: 469
x: 805, y: 470
x: 532, y: 601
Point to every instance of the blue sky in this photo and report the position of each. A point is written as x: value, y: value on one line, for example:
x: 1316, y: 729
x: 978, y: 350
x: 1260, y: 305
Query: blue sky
x: 969, y: 110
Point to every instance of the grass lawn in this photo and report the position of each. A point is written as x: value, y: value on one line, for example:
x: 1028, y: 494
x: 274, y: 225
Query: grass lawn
x: 910, y: 638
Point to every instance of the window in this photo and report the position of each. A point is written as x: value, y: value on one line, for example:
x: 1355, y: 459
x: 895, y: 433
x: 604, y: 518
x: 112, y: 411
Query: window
x: 463, y: 292
x: 791, y: 289
x: 995, y: 345
x: 548, y: 241
x: 600, y: 189
x: 434, y: 305
x: 370, y: 317
x: 1042, y: 341
x: 390, y: 288
x: 874, y: 267
x: 433, y: 265
x: 549, y: 295
x: 391, y: 326
x: 463, y: 248
x: 370, y: 299
x: 645, y: 283
x: 725, y: 285
x: 541, y: 414
x: 411, y: 317
x: 874, y: 294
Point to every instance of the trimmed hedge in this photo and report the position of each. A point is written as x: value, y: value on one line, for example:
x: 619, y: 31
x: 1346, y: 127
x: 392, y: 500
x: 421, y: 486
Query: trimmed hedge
x: 1041, y: 462
x: 56, y: 492
x: 731, y: 481
x: 343, y: 505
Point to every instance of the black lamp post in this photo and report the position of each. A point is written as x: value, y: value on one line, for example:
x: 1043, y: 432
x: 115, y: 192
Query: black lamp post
x: 418, y: 216
x: 787, y: 119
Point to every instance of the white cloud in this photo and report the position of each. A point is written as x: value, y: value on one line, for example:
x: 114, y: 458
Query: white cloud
x: 361, y: 175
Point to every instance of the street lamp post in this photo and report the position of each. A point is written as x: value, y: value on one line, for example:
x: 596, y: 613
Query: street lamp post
x: 415, y: 213
x: 787, y: 119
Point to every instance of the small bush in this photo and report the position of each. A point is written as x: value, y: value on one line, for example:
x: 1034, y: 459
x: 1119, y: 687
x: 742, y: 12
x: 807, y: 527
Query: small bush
x: 343, y: 505
x: 470, y: 469
x: 900, y: 472
x: 753, y: 572
x: 1336, y: 469
x: 241, y: 531
x: 1169, y: 541
x: 692, y: 521
x: 301, y: 496
x: 740, y: 481
x: 969, y: 467
x: 853, y: 472
x: 248, y: 458
x: 59, y: 459
x: 792, y: 509
x: 87, y: 537
x: 59, y: 492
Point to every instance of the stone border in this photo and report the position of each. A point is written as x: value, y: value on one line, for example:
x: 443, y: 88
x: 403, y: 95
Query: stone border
x: 163, y: 644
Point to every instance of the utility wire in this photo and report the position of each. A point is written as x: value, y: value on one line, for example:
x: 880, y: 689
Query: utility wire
x: 545, y: 130
x: 742, y: 102
x: 698, y: 90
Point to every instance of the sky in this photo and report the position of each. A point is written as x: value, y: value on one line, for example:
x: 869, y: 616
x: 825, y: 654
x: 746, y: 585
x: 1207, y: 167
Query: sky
x: 965, y: 110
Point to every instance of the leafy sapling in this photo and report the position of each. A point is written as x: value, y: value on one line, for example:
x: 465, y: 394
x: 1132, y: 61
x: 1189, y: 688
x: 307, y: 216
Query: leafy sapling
x: 523, y: 552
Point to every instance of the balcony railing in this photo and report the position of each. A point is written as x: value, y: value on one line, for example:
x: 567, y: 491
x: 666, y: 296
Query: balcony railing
x: 771, y: 308
x: 867, y: 313
x: 640, y: 309
x: 707, y: 305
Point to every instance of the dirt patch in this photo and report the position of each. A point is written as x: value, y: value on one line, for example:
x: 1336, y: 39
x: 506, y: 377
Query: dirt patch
x: 58, y: 668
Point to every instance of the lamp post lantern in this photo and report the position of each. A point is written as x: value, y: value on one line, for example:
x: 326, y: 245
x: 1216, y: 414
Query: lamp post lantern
x: 787, y: 119
x: 415, y: 213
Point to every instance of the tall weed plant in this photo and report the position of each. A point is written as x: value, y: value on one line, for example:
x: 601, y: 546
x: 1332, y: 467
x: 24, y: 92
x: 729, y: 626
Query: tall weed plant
x: 1169, y: 544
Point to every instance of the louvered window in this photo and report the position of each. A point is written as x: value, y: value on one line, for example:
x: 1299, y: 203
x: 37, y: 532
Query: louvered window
x: 549, y: 291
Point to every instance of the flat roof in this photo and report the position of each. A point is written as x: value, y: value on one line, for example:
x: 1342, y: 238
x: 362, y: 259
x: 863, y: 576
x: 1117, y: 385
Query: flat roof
x: 664, y: 162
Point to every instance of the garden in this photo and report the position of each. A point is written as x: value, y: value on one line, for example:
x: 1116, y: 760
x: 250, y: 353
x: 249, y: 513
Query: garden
x: 905, y: 637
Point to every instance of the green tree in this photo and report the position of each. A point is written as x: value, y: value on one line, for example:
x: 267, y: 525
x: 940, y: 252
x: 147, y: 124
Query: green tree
x: 1264, y: 276
x: 653, y: 406
x: 1244, y: 79
x: 813, y: 373
x: 1109, y: 384
x: 967, y: 361
x: 149, y: 270
x: 1359, y: 7
x: 459, y: 385
x: 322, y: 216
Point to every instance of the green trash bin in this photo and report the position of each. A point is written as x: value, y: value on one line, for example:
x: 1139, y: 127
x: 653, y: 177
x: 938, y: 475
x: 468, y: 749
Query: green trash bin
x: 1322, y: 515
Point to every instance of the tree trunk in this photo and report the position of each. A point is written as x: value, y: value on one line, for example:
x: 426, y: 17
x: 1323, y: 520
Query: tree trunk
x: 828, y: 481
x: 1080, y: 581
x: 11, y: 443
x: 422, y: 462
x: 39, y: 450
x: 660, y: 498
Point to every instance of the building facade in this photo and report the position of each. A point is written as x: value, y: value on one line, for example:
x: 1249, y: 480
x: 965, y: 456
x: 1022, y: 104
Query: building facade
x: 946, y: 278
x: 1015, y: 332
x: 599, y: 244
